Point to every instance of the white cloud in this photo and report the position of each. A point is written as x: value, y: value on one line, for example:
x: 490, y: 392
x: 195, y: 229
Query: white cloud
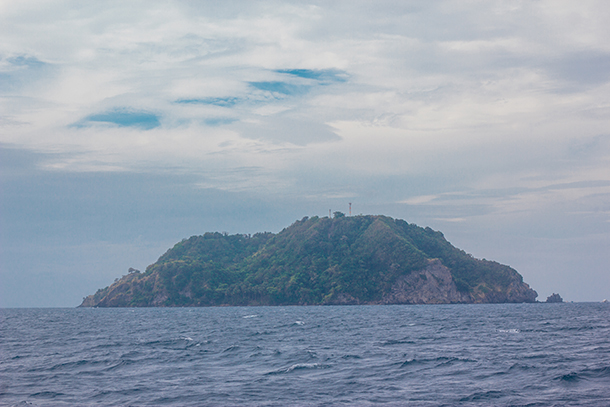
x: 419, y: 200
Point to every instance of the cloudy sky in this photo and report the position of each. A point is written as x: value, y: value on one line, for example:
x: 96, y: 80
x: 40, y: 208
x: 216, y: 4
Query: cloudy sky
x: 126, y: 126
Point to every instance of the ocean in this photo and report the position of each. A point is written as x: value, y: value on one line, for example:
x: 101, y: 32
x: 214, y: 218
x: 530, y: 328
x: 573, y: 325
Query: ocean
x: 397, y: 355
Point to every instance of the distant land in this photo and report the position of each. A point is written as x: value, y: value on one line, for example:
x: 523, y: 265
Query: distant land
x: 341, y: 260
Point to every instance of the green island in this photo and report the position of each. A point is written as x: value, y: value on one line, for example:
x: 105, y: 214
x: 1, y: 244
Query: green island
x: 343, y: 260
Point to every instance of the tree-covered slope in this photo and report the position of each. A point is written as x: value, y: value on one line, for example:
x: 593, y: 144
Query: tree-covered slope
x: 340, y: 260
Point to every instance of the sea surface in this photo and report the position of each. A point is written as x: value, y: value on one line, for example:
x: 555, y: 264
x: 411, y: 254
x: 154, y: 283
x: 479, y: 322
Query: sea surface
x: 404, y: 355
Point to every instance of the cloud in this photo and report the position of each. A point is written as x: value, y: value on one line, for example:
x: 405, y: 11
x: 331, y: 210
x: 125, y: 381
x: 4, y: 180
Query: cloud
x: 286, y: 129
x: 585, y: 68
x: 25, y: 61
x: 17, y: 71
x: 419, y: 200
x: 454, y: 220
x: 282, y: 88
x: 421, y: 92
x: 219, y: 121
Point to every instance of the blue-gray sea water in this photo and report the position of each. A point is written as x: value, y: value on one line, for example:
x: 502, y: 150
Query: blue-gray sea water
x: 432, y: 355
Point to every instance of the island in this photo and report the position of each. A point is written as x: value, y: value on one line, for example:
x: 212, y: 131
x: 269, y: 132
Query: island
x: 554, y: 298
x: 339, y: 260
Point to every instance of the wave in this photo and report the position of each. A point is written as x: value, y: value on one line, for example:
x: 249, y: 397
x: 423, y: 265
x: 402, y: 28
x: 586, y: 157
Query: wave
x: 121, y: 364
x: 71, y: 366
x: 348, y: 356
x: 437, y: 362
x: 520, y: 366
x: 231, y: 348
x: 299, y: 366
x: 486, y: 395
x: 585, y: 374
x: 47, y: 394
x: 181, y: 342
x: 391, y: 342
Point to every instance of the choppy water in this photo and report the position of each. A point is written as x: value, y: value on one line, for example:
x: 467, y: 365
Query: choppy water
x: 510, y: 354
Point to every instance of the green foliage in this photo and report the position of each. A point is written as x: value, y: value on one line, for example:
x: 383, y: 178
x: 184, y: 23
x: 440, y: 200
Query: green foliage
x: 314, y: 261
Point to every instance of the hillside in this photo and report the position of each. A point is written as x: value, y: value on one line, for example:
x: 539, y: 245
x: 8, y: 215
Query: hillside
x: 340, y: 260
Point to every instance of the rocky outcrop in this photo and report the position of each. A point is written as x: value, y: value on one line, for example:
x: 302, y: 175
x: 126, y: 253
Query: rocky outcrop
x: 128, y: 291
x: 432, y: 285
x: 554, y: 298
x: 518, y: 291
x: 342, y: 299
x: 435, y: 285
x: 89, y: 301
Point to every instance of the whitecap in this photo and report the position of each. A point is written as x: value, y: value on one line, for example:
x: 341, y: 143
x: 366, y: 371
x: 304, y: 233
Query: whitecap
x: 510, y: 331
x: 250, y: 316
x: 298, y: 366
x: 299, y: 323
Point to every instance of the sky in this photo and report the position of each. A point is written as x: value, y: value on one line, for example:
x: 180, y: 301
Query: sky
x: 128, y: 126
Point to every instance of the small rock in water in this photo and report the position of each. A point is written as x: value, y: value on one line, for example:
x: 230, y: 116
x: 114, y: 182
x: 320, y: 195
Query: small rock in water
x: 554, y: 298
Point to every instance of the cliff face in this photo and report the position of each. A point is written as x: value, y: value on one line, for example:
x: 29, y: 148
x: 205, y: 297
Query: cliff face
x: 435, y: 285
x: 431, y: 285
x: 345, y: 260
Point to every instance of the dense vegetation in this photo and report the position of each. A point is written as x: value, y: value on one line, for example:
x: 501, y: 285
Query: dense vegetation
x: 314, y: 261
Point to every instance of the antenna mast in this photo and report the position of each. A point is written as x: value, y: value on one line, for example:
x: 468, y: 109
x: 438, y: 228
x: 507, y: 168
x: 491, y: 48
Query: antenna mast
x: 350, y: 209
